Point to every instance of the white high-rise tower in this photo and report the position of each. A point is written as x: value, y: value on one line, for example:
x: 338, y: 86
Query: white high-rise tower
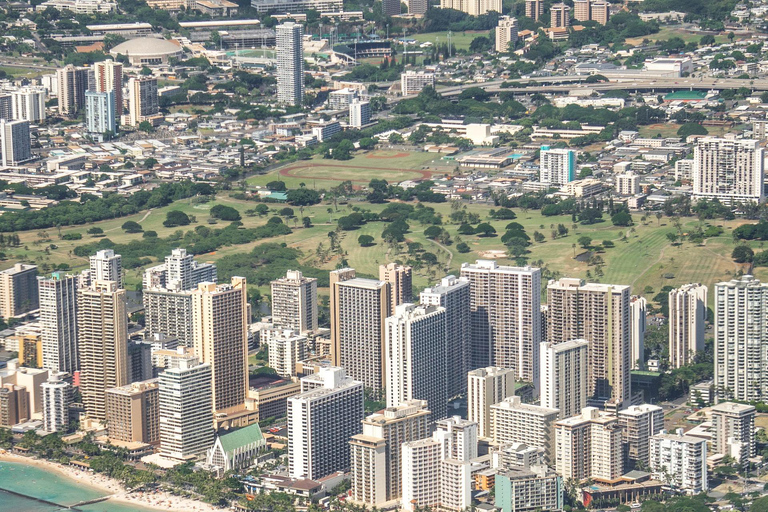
x: 290, y: 63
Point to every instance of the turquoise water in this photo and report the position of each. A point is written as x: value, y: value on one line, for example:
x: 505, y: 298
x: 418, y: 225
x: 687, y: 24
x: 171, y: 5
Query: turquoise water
x: 50, y: 486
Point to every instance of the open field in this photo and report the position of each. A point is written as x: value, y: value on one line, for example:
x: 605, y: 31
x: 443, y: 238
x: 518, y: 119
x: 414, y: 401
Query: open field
x: 668, y: 32
x: 461, y: 40
x: 18, y: 72
x: 645, y: 259
x: 670, y: 130
x: 319, y: 173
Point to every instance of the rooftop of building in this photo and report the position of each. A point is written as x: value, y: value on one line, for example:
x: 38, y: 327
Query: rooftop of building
x: 142, y: 46
x: 241, y: 437
x: 733, y: 408
x: 679, y: 436
x: 514, y: 403
x: 360, y: 282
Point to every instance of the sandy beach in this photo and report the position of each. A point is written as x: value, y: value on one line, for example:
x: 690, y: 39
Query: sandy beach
x: 156, y: 500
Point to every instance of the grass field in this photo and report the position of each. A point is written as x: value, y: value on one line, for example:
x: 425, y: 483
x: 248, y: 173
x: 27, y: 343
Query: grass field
x: 645, y: 259
x: 668, y: 32
x: 22, y: 72
x: 670, y: 130
x: 461, y: 40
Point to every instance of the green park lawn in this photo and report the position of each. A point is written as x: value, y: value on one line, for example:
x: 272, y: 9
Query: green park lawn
x: 461, y: 40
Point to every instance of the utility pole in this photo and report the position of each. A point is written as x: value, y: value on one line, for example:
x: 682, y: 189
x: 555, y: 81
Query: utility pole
x: 449, y: 44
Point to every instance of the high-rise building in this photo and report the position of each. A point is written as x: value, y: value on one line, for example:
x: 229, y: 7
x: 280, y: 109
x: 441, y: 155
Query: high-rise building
x: 400, y: 279
x: 413, y: 82
x: 592, y: 10
x: 733, y: 427
x: 418, y: 6
x: 638, y: 423
x: 532, y: 425
x: 560, y: 16
x: 294, y: 302
x: 390, y: 7
x: 185, y: 406
x: 506, y: 34
x: 168, y: 313
x: 680, y: 460
x: 336, y: 277
x: 627, y: 184
x: 102, y: 336
x: 57, y: 395
x: 528, y: 489
x: 637, y: 322
x: 14, y: 405
x: 363, y: 306
x: 563, y: 376
x: 109, y: 78
x: 414, y: 334
x: 105, y: 265
x: 100, y: 112
x: 290, y: 63
x: 472, y: 7
x: 359, y: 113
x: 15, y: 142
x: 220, y: 338
x: 6, y: 106
x: 505, y: 323
x: 759, y: 129
x: 729, y: 169
x: 741, y: 318
x: 687, y: 316
x: 376, y: 453
x: 179, y: 272
x: 534, y: 9
x: 286, y: 348
x: 581, y: 10
x: 18, y: 290
x: 453, y: 294
x: 58, y: 321
x: 133, y: 412
x: 557, y: 166
x: 589, y: 446
x: 143, y: 101
x: 598, y: 313
x: 29, y: 104
x: 72, y: 84
x: 461, y: 438
x: 321, y: 421
x: 487, y: 387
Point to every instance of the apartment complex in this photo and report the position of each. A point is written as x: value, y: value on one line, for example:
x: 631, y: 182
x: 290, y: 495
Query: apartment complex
x: 591, y: 10
x: 133, y: 412
x: 453, y: 294
x: 400, y: 279
x: 290, y: 63
x: 534, y: 9
x: 564, y: 376
x: 680, y: 460
x: 15, y: 142
x: 559, y: 16
x: 105, y: 265
x: 506, y: 34
x: 589, y: 447
x: 179, y: 272
x: 109, y: 78
x: 557, y: 166
x: 529, y: 488
x: 487, y: 387
x: 472, y: 7
x: 57, y: 395
x: 376, y: 453
x: 598, y: 313
x: 143, y: 101
x: 532, y: 425
x: 102, y: 335
x: 286, y: 348
x: 294, y: 302
x: 321, y: 421
x: 729, y: 169
x: 638, y: 423
x: 638, y: 308
x: 505, y: 305
x: 733, y: 428
x: 414, y: 334
x: 72, y: 84
x: 28, y: 104
x: 168, y: 313
x: 413, y: 82
x: 100, y: 116
x: 18, y: 290
x: 687, y: 318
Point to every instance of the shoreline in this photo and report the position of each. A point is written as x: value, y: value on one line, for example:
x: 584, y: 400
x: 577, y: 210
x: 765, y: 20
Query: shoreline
x: 112, y: 489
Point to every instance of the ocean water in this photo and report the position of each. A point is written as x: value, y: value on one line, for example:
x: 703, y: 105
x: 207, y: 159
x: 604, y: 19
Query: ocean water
x: 35, y: 482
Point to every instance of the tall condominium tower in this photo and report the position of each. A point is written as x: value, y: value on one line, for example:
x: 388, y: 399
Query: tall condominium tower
x: 532, y: 425
x: 58, y: 320
x: 294, y: 302
x: 741, y: 347
x: 453, y: 294
x: 506, y: 34
x: 290, y: 63
x: 733, y: 426
x: 560, y: 16
x: 286, y: 348
x: 638, y: 307
x: 505, y: 317
x: 335, y: 278
x: 534, y: 9
x: 414, y: 334
x: 376, y: 453
x: 321, y: 421
x: 687, y: 316
x: 179, y: 272
x: 729, y: 169
x: 487, y: 387
x: 169, y: 313
x: 15, y: 142
x: 29, y: 104
x: 220, y: 338
x: 18, y: 290
x: 102, y: 336
x: 185, y: 407
x: 400, y: 282
x: 589, y: 446
x: 557, y: 166
x: 57, y: 395
x: 680, y: 458
x: 143, y: 101
x: 390, y: 7
x: 598, y: 313
x: 109, y: 78
x: 100, y: 116
x: 133, y: 412
x: 564, y: 376
x: 72, y: 84
x: 638, y: 423
x: 106, y: 266
x: 363, y: 306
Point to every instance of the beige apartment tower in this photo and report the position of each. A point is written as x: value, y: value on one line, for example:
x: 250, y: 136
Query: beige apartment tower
x: 363, y: 306
x: 505, y: 313
x: 560, y: 16
x: 729, y: 169
x: 18, y: 290
x: 294, y: 302
x: 532, y: 425
x: 109, y: 78
x: 103, y: 344
x: 638, y: 423
x: 133, y: 412
x: 487, y: 387
x: 733, y: 426
x: 589, y: 447
x: 400, y: 279
x: 336, y: 277
x: 598, y: 313
x: 564, y: 376
x: 687, y: 318
x: 506, y: 34
x: 534, y: 9
x: 220, y: 334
